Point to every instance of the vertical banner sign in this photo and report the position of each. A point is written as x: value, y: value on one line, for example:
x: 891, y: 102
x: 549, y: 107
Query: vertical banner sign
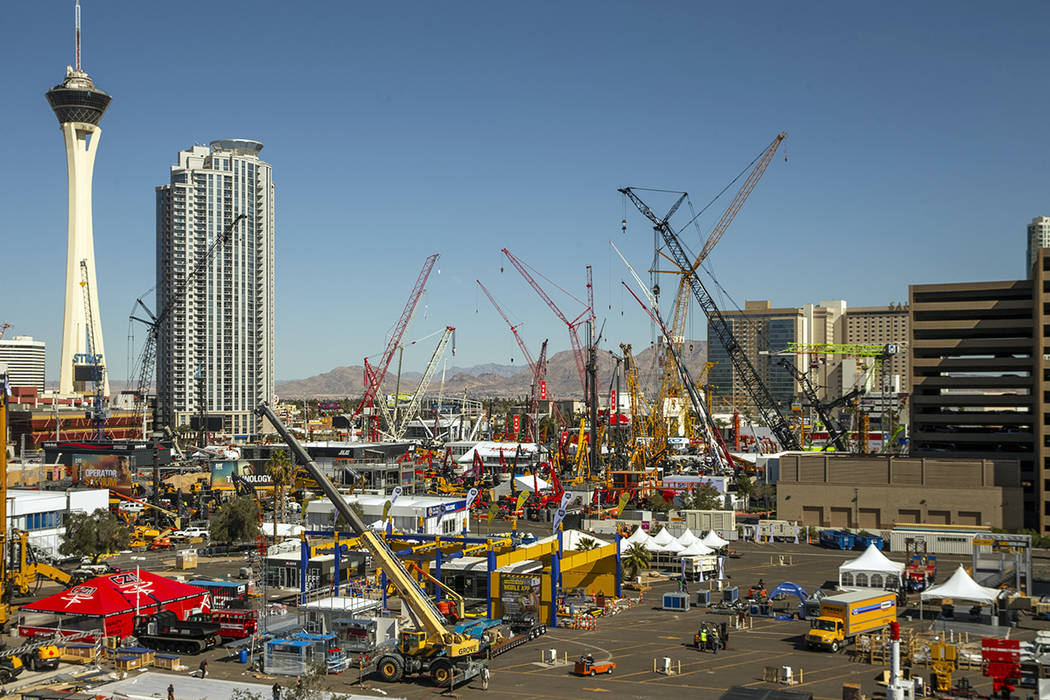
x: 614, y: 408
x: 394, y: 496
x: 624, y: 497
x: 386, y: 510
x: 721, y: 567
x: 471, y: 495
x: 517, y: 423
x: 543, y: 390
x: 559, y: 514
x: 521, y: 501
x: 493, y: 508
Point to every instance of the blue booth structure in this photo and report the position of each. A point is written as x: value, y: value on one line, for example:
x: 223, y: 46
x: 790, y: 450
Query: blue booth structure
x: 296, y: 655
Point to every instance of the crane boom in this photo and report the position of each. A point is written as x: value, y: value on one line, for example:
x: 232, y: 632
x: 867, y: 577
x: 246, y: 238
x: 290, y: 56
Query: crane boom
x: 426, y: 615
x: 536, y: 370
x: 680, y: 314
x: 94, y: 360
x: 374, y: 376
x: 714, y: 437
x: 752, y: 382
x: 513, y: 329
x: 148, y: 359
x: 577, y: 348
x: 835, y: 433
x: 424, y: 381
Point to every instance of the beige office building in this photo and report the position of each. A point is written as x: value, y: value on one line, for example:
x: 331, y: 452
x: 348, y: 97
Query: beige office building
x: 879, y: 325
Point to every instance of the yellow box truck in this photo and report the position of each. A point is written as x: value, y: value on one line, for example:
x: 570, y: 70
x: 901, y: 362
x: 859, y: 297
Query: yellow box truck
x: 844, y: 616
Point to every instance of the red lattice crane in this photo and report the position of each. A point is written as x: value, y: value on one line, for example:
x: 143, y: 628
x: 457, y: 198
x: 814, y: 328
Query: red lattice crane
x: 573, y: 325
x: 539, y: 371
x: 374, y: 375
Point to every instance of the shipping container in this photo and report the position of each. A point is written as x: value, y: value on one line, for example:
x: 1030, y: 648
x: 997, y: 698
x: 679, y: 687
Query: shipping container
x: 721, y: 521
x: 945, y: 541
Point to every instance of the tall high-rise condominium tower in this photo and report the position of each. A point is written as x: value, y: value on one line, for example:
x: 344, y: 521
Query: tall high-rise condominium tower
x: 216, y: 348
x: 79, y: 106
x: 1038, y: 237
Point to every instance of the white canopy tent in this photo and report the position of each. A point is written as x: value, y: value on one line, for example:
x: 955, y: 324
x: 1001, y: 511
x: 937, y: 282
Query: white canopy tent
x: 696, y: 549
x: 639, y: 536
x: 871, y: 570
x: 712, y: 540
x: 663, y: 537
x: 687, y: 538
x: 523, y: 482
x: 962, y: 587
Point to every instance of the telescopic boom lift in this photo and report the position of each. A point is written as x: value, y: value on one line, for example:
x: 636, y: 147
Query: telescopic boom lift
x: 429, y: 648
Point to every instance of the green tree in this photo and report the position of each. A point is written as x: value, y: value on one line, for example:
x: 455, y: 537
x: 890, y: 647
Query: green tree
x: 94, y: 534
x: 744, y: 485
x: 281, y: 470
x: 635, y: 559
x: 238, y: 520
x: 702, y: 497
x: 586, y: 543
x: 657, y: 503
x: 341, y: 523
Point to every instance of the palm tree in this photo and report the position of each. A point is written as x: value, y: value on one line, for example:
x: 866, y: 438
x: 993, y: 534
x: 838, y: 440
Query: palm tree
x: 635, y: 559
x: 586, y: 543
x: 281, y: 470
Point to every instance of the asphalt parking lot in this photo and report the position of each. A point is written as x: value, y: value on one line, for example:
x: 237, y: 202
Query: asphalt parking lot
x: 637, y: 637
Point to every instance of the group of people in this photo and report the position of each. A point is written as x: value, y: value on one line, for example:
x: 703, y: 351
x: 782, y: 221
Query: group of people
x: 712, y: 637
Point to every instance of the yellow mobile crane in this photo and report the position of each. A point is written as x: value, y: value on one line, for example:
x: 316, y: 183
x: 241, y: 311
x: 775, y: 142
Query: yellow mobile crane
x: 430, y: 648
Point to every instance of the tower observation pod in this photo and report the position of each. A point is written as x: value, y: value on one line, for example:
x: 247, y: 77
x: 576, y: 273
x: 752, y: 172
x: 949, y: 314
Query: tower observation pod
x: 79, y: 106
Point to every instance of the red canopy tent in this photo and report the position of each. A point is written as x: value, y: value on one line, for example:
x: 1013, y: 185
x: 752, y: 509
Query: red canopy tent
x: 110, y: 603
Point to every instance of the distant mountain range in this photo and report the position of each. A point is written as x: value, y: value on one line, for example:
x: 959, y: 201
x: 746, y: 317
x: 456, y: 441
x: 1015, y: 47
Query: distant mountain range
x: 497, y: 381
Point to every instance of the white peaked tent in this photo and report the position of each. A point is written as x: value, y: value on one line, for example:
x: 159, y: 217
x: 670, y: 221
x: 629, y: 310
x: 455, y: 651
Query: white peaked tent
x: 696, y: 549
x: 712, y: 540
x: 663, y: 537
x: 687, y: 538
x: 961, y: 587
x: 672, y: 547
x: 871, y: 570
x: 638, y: 536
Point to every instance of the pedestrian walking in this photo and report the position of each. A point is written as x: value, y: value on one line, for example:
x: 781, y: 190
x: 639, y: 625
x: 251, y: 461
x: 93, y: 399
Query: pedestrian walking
x: 204, y: 668
x: 171, y: 691
x: 485, y: 678
x: 276, y: 691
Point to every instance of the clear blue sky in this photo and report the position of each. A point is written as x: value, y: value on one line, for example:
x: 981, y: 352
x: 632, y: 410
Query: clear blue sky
x: 916, y: 152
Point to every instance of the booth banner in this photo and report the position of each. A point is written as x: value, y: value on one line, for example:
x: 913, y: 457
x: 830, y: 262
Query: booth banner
x: 520, y: 595
x: 471, y: 495
x: 394, y: 495
x: 222, y: 474
x: 111, y: 472
x: 624, y: 497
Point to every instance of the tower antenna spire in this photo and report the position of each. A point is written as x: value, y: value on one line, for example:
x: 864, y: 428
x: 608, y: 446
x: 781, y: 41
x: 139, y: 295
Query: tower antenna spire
x: 78, y: 34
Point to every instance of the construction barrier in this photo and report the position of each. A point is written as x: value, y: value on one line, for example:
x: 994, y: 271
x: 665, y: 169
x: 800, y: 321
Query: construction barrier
x: 583, y: 622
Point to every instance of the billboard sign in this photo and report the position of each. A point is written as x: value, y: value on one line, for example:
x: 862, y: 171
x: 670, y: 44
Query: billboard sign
x: 111, y: 472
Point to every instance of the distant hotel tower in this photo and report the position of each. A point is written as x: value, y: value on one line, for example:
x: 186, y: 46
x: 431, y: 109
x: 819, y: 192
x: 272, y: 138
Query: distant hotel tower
x: 79, y: 107
x: 216, y: 345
